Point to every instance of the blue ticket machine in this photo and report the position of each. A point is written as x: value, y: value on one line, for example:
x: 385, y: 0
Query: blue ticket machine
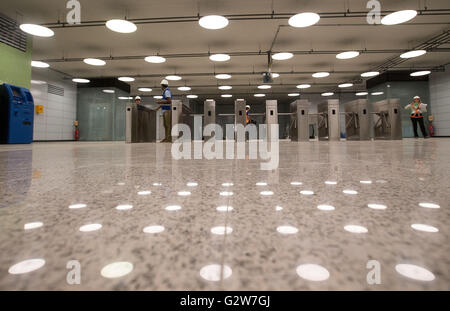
x: 16, y: 115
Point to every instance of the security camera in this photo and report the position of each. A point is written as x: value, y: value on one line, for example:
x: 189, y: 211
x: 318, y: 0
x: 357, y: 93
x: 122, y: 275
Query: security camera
x: 267, y: 77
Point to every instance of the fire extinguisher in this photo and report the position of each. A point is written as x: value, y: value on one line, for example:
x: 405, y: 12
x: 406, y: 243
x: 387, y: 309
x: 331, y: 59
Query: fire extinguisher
x: 77, y: 131
x: 430, y: 126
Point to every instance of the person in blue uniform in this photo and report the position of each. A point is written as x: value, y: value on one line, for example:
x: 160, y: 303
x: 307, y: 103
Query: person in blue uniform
x: 166, y: 105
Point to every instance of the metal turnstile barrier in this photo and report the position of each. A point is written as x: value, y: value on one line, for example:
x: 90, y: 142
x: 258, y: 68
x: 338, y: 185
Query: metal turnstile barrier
x: 181, y: 114
x: 140, y: 124
x: 271, y: 117
x: 387, y: 121
x: 357, y: 122
x: 239, y: 112
x: 328, y: 120
x: 209, y: 113
x: 299, y: 125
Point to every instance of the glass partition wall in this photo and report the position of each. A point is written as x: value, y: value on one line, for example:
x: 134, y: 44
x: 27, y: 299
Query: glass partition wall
x: 101, y: 113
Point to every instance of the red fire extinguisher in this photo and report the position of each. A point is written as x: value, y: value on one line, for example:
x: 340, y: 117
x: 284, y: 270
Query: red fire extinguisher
x: 77, y: 131
x: 430, y: 126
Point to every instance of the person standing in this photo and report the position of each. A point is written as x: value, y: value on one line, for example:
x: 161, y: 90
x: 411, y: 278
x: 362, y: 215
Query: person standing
x: 417, y: 110
x: 166, y: 105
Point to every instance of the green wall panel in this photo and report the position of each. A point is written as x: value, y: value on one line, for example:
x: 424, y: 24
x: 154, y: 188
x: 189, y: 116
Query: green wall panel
x: 15, y: 65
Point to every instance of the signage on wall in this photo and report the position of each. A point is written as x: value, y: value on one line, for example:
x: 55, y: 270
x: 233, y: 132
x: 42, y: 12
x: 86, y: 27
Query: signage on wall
x: 74, y: 15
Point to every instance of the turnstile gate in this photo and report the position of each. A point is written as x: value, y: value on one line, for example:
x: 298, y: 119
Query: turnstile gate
x: 209, y: 112
x: 387, y: 119
x: 239, y: 112
x: 299, y: 123
x: 271, y: 118
x: 328, y: 120
x: 357, y: 122
x: 140, y: 124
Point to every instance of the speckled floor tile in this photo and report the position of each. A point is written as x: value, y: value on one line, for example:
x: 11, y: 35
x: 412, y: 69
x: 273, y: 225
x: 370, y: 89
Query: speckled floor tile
x: 39, y: 182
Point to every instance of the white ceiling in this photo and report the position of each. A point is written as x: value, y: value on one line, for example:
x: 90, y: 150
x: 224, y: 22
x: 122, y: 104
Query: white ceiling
x: 239, y: 36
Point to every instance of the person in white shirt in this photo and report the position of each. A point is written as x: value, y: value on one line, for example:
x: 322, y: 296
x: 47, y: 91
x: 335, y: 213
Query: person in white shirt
x: 417, y: 110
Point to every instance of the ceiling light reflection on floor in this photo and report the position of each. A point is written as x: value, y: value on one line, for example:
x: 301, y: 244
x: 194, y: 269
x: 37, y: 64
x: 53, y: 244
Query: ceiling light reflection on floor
x: 215, y: 273
x: 27, y: 266
x: 261, y: 184
x: 90, y: 227
x: 124, y: 207
x: 278, y: 208
x: 184, y: 193
x: 153, y: 229
x: 117, y: 269
x: 307, y: 192
x: 356, y: 229
x: 376, y: 206
x: 224, y: 208
x: 32, y: 225
x: 173, y: 208
x: 266, y: 193
x: 77, y: 206
x: 144, y: 192
x: 328, y: 182
x: 221, y: 230
x: 296, y: 183
x: 348, y: 191
x: 324, y: 207
x: 415, y: 272
x: 429, y: 205
x: 313, y: 272
x: 227, y: 184
x: 192, y: 184
x: 287, y: 230
x: 424, y: 228
x: 226, y: 193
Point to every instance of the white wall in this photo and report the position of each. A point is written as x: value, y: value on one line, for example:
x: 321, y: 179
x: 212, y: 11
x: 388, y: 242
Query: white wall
x: 440, y: 101
x: 56, y: 123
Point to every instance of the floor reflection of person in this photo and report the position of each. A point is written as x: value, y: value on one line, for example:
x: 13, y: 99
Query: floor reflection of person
x: 417, y: 109
x: 166, y: 105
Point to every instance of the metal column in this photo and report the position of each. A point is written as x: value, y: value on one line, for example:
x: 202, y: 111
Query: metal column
x: 271, y: 117
x: 357, y: 123
x: 209, y: 109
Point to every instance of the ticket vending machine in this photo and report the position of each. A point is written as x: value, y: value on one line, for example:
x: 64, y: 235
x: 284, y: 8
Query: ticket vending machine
x: 17, y: 115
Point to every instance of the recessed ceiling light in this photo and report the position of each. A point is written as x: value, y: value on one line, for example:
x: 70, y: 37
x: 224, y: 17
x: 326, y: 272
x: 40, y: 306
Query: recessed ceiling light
x: 264, y: 87
x: 275, y: 75
x: 39, y: 64
x: 370, y: 74
x: 225, y: 87
x: 282, y: 56
x: 344, y: 85
x: 361, y: 94
x: 259, y: 95
x: 37, y: 30
x: 155, y: 59
x: 192, y: 96
x: 33, y: 225
x: 157, y: 97
x: 327, y: 94
x: 109, y: 91
x: 173, y: 78
x: 227, y: 95
x: 78, y: 80
x: 144, y: 89
x: 219, y: 57
x: 399, y: 17
x: 293, y: 94
x: 320, y: 74
x: 94, y: 62
x: 223, y: 76
x: 347, y: 55
x: 126, y: 79
x: 420, y: 73
x: 124, y: 98
x: 304, y: 19
x: 213, y: 22
x: 377, y: 93
x: 304, y: 86
x: 184, y: 88
x: 38, y: 82
x: 122, y: 26
x: 414, y: 53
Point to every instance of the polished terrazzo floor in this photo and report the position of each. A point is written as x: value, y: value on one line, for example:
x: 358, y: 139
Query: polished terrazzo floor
x: 137, y: 220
